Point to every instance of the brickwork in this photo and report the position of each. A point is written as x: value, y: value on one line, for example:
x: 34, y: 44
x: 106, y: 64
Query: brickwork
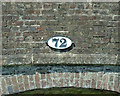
x: 20, y: 83
x: 93, y: 26
x: 27, y: 77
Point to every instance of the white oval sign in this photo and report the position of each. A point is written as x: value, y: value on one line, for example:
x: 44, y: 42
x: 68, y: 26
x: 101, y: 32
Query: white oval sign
x: 59, y: 42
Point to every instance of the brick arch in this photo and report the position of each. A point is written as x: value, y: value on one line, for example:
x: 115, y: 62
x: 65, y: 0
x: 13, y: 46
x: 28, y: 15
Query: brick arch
x: 96, y: 80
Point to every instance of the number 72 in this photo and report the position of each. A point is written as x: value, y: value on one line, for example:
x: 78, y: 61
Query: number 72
x: 62, y: 41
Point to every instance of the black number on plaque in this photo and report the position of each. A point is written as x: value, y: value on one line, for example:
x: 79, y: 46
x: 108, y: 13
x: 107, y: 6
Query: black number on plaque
x: 55, y: 40
x: 63, y: 42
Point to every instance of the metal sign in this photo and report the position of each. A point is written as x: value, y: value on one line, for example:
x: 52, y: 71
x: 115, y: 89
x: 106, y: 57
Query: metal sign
x: 59, y: 42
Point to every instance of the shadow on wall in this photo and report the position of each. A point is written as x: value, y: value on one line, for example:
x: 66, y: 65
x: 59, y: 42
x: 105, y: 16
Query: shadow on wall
x: 63, y: 50
x: 118, y: 61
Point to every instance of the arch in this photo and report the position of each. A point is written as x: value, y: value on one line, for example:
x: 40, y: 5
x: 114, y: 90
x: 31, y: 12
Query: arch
x: 97, y: 80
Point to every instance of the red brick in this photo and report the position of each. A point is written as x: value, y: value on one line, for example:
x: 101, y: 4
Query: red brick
x: 16, y: 88
x: 65, y: 82
x: 66, y: 75
x: 26, y: 17
x: 18, y: 39
x: 84, y: 18
x: 44, y: 83
x: 116, y: 84
x: 31, y: 82
x: 60, y: 84
x: 43, y: 76
x: 14, y: 80
x: 60, y: 75
x: 55, y: 75
x: 26, y: 82
x: 93, y: 83
x: 92, y: 17
x: 116, y: 88
x: 71, y: 75
x: 105, y: 81
x: 32, y: 85
x: 110, y: 78
x: 76, y: 75
x: 99, y: 84
x: 18, y: 33
x: 82, y: 75
x: 55, y: 82
x: 49, y: 82
x: 71, y: 79
x: 106, y: 40
x: 40, y: 28
x: 32, y: 11
x: 72, y: 6
x: 81, y: 82
x: 76, y: 83
x: 47, y: 12
x: 15, y: 84
x: 17, y: 23
x: 36, y: 11
x: 110, y: 86
x: 88, y: 83
x: 47, y: 5
x: 81, y: 23
x: 99, y: 76
x: 37, y: 79
x: 21, y: 87
x: 8, y: 81
x: 48, y: 76
x: 31, y: 78
x: 20, y: 79
x: 79, y: 11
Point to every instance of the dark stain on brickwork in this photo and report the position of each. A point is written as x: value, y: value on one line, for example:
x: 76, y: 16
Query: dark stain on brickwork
x: 31, y: 69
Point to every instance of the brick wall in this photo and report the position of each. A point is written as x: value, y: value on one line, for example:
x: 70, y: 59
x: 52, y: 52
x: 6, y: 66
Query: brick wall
x: 93, y: 26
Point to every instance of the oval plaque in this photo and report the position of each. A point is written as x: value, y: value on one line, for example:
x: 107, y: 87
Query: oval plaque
x: 59, y: 42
